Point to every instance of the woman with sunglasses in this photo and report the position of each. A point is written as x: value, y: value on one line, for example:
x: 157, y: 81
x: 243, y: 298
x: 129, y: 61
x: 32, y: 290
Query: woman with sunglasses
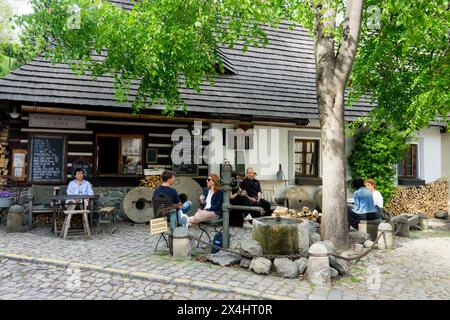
x: 210, y: 202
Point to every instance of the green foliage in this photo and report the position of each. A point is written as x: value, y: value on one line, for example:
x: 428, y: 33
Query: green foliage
x: 150, y: 48
x: 405, y: 64
x: 375, y: 155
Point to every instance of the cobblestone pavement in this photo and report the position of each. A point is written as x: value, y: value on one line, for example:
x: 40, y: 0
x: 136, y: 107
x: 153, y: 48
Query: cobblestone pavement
x: 36, y: 265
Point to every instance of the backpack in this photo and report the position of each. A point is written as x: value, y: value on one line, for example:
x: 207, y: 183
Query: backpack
x: 217, y: 242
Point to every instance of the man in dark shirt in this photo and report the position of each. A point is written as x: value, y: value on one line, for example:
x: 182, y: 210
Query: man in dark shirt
x: 254, y: 194
x: 168, y: 177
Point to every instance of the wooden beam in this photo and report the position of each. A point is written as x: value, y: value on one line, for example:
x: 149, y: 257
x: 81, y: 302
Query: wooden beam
x: 123, y: 115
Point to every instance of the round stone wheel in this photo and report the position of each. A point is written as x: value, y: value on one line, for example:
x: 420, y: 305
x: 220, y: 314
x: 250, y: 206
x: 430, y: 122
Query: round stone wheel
x: 299, y: 198
x: 137, y: 205
x: 192, y: 189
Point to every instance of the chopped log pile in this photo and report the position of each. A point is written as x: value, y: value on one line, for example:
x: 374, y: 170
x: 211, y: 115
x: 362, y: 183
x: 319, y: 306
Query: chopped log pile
x: 305, y: 213
x: 47, y: 219
x: 428, y: 199
x: 151, y: 182
x: 3, y: 165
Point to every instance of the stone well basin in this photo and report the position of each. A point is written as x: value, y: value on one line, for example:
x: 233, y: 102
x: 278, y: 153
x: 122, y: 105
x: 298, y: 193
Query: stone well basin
x: 276, y: 235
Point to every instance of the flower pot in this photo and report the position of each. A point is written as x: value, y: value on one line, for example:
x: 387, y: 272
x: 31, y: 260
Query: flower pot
x: 6, y: 202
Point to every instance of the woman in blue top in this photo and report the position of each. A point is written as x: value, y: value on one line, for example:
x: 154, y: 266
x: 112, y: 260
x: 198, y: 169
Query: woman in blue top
x: 210, y: 202
x: 364, y: 208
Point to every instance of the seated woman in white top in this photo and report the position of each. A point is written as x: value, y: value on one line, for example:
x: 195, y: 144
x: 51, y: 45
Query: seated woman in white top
x: 377, y: 197
x: 79, y: 186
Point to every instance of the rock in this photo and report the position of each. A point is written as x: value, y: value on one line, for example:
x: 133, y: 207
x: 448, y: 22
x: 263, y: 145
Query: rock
x: 359, y: 247
x: 441, y: 214
x: 286, y: 268
x: 339, y: 264
x: 313, y: 238
x: 359, y: 237
x: 224, y: 259
x: 348, y: 254
x: 252, y: 247
x: 333, y: 273
x: 245, y: 263
x: 303, y: 238
x: 302, y: 264
x: 260, y: 265
x: 368, y: 244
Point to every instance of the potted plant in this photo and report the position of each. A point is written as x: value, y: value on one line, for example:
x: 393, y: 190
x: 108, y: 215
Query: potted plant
x: 6, y: 199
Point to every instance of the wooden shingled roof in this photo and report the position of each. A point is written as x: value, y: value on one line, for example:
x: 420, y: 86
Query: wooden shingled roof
x: 275, y: 82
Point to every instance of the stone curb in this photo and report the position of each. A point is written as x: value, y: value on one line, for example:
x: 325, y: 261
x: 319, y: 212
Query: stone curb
x: 142, y: 276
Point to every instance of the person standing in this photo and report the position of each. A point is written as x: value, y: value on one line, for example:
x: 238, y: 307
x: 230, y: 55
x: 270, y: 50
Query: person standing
x: 252, y: 188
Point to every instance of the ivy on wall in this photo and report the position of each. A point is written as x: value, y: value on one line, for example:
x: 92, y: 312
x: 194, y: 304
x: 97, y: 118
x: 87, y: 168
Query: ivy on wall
x: 376, y: 153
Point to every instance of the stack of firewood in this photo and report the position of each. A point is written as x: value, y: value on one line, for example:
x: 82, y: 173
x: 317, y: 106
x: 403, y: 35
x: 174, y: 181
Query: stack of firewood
x: 47, y: 219
x: 428, y: 199
x: 305, y: 213
x: 3, y: 165
x: 4, y: 135
x: 151, y: 182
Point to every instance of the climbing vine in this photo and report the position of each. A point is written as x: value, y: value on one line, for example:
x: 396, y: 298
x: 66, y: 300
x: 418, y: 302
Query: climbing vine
x: 376, y: 154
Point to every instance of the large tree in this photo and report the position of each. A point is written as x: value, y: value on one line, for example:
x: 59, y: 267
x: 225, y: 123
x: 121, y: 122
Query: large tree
x: 168, y: 44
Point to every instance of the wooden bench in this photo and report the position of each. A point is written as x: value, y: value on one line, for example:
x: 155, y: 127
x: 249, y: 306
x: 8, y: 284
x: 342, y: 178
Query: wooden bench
x: 66, y: 224
x: 39, y: 201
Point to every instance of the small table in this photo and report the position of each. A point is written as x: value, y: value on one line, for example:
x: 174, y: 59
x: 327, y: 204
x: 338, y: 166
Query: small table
x: 58, y: 202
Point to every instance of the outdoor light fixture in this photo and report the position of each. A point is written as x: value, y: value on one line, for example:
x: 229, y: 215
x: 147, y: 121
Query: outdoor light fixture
x: 226, y: 172
x: 302, y: 122
x: 14, y: 114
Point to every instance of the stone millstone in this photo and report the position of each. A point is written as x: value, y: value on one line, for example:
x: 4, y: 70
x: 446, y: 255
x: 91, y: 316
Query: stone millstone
x: 299, y: 198
x: 137, y: 206
x: 276, y: 238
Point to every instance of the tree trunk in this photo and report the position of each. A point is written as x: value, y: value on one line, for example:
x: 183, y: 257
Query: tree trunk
x: 334, y: 225
x: 332, y: 72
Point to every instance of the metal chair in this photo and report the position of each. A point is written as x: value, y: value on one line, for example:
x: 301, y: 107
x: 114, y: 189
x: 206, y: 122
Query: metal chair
x: 163, y: 206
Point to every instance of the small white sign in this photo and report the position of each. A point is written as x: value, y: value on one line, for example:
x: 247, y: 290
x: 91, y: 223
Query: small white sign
x: 158, y: 225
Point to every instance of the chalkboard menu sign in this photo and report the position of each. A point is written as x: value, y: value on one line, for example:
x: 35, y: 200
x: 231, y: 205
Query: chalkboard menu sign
x: 47, y: 159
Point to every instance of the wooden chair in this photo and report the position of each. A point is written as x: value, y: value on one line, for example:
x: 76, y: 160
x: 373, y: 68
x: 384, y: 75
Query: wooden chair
x: 163, y: 206
x: 106, y: 217
x: 39, y: 201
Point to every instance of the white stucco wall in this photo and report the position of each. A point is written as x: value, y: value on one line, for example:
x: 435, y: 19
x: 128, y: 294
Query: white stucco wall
x: 445, y: 154
x: 429, y: 141
x: 274, y: 150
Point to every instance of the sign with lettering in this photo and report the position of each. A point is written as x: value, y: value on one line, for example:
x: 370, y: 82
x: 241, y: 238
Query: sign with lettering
x: 158, y: 226
x: 47, y: 158
x: 56, y: 121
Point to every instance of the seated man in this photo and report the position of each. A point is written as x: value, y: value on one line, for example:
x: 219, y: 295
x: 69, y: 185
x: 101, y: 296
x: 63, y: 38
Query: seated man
x: 168, y: 177
x: 253, y: 193
x: 364, y: 208
x: 79, y: 186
